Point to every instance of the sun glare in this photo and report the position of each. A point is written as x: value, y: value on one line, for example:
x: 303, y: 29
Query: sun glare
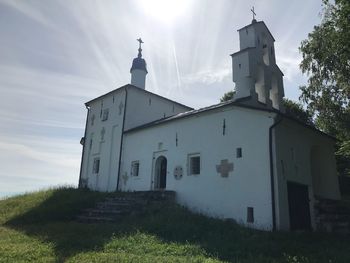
x: 165, y: 10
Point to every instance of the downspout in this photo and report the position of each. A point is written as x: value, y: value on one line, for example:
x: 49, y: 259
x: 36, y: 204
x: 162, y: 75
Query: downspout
x: 122, y: 137
x: 278, y: 120
x: 82, y: 154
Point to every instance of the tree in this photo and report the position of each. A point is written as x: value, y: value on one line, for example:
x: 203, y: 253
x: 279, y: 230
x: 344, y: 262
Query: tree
x: 296, y: 110
x: 293, y: 109
x: 228, y: 96
x: 326, y: 61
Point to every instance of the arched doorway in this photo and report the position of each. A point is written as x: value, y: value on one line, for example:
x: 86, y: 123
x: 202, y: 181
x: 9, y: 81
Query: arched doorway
x: 160, y: 173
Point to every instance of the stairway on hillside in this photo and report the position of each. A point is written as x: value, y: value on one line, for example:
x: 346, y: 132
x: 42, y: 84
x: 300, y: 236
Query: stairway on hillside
x: 332, y: 216
x: 130, y: 203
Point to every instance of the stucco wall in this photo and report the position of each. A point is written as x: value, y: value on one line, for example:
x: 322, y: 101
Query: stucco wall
x: 144, y: 107
x: 295, y: 159
x: 105, y: 147
x: 141, y: 108
x: 247, y: 186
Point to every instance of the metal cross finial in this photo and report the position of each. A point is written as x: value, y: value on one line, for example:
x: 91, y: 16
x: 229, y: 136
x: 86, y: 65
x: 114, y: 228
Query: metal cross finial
x: 140, y: 49
x: 253, y: 13
x: 140, y: 42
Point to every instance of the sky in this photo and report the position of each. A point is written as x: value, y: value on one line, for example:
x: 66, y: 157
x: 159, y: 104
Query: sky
x: 56, y: 55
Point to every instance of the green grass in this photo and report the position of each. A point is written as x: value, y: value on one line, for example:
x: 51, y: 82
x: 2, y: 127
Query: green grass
x: 39, y: 227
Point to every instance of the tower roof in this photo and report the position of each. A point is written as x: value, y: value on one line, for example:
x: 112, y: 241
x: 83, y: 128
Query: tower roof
x: 257, y: 23
x: 139, y: 62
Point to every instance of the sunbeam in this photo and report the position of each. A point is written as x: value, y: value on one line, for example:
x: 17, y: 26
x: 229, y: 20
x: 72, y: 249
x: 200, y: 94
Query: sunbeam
x: 56, y: 55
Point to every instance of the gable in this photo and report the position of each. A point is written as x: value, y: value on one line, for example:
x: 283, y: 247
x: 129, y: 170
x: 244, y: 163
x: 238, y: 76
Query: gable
x: 145, y: 107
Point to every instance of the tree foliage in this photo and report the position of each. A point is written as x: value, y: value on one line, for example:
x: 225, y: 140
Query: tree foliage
x: 296, y: 110
x: 326, y: 61
x: 227, y: 96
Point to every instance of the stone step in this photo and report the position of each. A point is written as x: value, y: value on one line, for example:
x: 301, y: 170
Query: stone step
x: 94, y: 219
x: 118, y: 207
x: 341, y: 230
x: 119, y: 199
x: 114, y: 208
x: 334, y: 217
x: 104, y: 211
x: 333, y: 208
x: 109, y: 203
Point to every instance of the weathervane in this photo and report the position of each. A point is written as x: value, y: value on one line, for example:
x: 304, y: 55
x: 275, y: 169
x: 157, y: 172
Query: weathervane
x: 253, y: 13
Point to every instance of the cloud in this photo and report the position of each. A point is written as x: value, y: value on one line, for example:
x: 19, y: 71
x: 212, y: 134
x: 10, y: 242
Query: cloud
x: 207, y: 76
x: 32, y: 162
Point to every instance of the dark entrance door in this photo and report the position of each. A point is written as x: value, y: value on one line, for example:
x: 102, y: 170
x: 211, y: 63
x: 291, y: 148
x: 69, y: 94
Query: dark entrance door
x: 299, y: 209
x: 161, y: 171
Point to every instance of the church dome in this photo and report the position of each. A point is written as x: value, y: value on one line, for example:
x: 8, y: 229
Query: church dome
x: 139, y: 63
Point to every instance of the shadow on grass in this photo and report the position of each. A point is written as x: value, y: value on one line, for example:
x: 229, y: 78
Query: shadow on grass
x: 52, y: 221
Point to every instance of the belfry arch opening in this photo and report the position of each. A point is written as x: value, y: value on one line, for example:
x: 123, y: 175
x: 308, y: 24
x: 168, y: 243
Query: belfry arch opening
x: 265, y: 48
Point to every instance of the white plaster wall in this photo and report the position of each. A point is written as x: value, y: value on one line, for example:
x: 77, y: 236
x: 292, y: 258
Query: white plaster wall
x: 247, y: 37
x: 144, y: 107
x: 139, y: 111
x: 138, y: 78
x: 247, y: 186
x: 108, y: 148
x: 293, y: 143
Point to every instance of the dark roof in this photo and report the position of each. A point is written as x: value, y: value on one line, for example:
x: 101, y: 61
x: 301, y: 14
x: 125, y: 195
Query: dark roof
x: 242, y: 50
x: 139, y: 63
x: 258, y: 22
x: 201, y: 110
x: 142, y: 90
x: 238, y: 103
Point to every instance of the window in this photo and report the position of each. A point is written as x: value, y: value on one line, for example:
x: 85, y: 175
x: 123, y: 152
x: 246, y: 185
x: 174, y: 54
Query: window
x: 93, y: 120
x: 96, y: 166
x: 105, y: 114
x: 135, y: 167
x: 194, y: 164
x: 239, y: 152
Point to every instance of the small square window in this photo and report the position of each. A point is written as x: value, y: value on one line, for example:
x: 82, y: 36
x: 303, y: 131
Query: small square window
x: 105, y: 114
x: 194, y: 164
x: 135, y: 167
x: 96, y: 166
x: 239, y: 152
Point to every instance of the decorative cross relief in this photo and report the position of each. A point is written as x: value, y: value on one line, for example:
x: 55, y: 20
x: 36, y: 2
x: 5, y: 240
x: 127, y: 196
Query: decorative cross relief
x: 121, y: 106
x: 224, y: 168
x: 125, y: 178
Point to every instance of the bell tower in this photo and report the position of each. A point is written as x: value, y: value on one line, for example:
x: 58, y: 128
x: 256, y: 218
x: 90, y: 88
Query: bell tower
x: 139, y: 69
x: 254, y: 67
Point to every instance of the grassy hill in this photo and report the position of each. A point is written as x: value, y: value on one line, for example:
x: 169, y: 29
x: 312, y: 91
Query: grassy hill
x: 40, y: 227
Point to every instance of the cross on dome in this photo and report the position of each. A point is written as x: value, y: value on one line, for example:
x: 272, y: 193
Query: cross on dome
x: 140, y: 49
x: 254, y: 14
x: 140, y: 41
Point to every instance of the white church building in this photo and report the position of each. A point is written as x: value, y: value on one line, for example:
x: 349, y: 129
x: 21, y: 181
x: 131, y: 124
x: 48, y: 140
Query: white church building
x: 242, y: 159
